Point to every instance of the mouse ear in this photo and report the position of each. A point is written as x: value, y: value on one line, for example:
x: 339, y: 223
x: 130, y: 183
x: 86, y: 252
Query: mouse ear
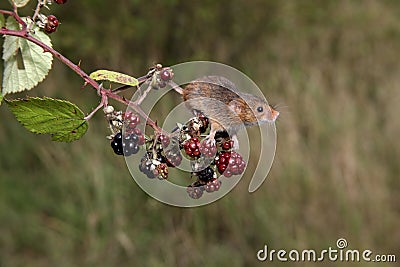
x: 236, y: 106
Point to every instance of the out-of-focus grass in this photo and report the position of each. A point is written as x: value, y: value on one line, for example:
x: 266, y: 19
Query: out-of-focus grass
x: 334, y: 64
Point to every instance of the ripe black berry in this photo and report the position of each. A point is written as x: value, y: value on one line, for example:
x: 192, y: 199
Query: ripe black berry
x: 116, y: 144
x: 130, y: 144
x: 206, y: 174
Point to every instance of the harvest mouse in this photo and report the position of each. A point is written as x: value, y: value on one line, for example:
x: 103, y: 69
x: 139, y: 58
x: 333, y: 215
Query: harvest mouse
x: 226, y: 107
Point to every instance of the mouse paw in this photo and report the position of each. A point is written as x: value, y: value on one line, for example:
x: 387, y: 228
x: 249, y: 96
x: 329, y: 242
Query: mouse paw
x: 210, y: 140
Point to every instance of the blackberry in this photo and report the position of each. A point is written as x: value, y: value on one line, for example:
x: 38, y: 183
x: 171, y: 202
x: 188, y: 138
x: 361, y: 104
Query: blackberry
x: 125, y: 145
x: 130, y: 144
x: 116, y: 144
x: 205, y: 175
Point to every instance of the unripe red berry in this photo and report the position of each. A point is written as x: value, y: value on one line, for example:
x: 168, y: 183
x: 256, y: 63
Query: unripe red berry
x: 60, y: 2
x: 51, y: 25
x: 166, y: 74
x: 164, y: 140
x: 192, y: 147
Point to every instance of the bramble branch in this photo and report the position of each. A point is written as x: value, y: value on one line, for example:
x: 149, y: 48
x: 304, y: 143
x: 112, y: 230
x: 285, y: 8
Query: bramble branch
x: 104, y: 93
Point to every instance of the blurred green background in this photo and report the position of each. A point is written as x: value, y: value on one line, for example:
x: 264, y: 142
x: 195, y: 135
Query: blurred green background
x: 332, y: 65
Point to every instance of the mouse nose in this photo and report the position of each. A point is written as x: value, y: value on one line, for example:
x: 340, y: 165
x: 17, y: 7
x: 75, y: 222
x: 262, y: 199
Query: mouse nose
x: 274, y: 114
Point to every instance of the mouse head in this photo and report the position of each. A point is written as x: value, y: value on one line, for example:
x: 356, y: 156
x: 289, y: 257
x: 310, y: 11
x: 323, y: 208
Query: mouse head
x: 253, y: 110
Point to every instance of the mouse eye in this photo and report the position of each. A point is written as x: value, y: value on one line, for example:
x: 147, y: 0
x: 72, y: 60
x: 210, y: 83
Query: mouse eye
x: 260, y: 109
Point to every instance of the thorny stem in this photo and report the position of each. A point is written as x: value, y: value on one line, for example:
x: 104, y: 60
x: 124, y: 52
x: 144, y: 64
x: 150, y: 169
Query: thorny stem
x: 143, y: 95
x: 105, y: 93
x: 103, y: 103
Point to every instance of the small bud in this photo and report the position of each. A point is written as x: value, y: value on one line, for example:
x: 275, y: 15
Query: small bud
x: 108, y: 110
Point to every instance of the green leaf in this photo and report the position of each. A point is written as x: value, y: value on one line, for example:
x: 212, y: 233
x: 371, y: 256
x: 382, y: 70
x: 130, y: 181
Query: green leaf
x: 1, y: 98
x: 62, y: 119
x: 20, y: 3
x: 113, y: 76
x: 25, y: 63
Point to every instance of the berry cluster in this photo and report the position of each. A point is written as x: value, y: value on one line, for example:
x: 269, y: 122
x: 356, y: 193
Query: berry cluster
x: 129, y: 143
x: 208, y: 148
x: 163, y: 77
x: 209, y: 157
x: 166, y: 74
x: 205, y: 175
x: 148, y: 167
x: 212, y: 185
x: 51, y: 24
x: 230, y: 163
x: 195, y: 192
x: 164, y: 140
x: 206, y: 181
x: 196, y: 189
x: 173, y: 157
x: 162, y: 170
x: 131, y: 120
x: 125, y: 145
x: 192, y: 147
x: 60, y: 2
x: 154, y: 167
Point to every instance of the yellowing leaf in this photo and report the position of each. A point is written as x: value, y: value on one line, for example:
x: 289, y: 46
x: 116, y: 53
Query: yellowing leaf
x: 113, y: 76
